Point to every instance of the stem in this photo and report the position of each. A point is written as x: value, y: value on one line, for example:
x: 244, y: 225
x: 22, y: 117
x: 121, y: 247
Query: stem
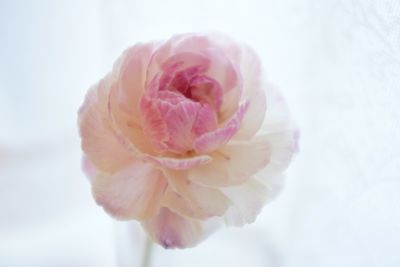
x: 146, y: 260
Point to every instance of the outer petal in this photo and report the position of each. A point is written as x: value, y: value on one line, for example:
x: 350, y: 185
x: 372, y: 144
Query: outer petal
x: 250, y: 68
x: 281, y: 134
x: 193, y: 200
x: 234, y: 163
x: 171, y: 230
x: 254, y: 116
x: 253, y: 90
x: 128, y: 129
x: 131, y: 73
x: 248, y: 200
x: 88, y: 168
x: 99, y: 141
x: 134, y: 192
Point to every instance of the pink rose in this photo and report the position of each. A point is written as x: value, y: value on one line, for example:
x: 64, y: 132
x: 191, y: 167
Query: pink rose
x: 170, y: 137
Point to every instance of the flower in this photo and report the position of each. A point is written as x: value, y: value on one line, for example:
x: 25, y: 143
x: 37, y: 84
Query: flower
x: 175, y: 137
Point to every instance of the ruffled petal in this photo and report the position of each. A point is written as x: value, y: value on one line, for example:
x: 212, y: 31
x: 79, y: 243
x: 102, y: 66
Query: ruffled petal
x: 153, y: 124
x: 171, y: 230
x: 250, y: 68
x: 179, y: 120
x: 248, y: 200
x: 131, y: 74
x: 215, y: 139
x: 219, y: 66
x: 128, y: 129
x: 233, y: 163
x: 206, y: 90
x: 281, y: 134
x: 222, y: 70
x: 193, y: 200
x: 98, y: 138
x: 169, y: 119
x: 206, y: 120
x: 254, y: 116
x: 134, y: 192
x: 179, y: 163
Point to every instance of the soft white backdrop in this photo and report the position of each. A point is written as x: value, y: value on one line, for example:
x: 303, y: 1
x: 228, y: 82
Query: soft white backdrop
x: 338, y: 64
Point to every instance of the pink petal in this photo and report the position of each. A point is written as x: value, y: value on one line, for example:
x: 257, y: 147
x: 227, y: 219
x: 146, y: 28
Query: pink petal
x: 98, y: 139
x: 206, y: 90
x: 179, y: 163
x: 233, y: 163
x: 153, y: 124
x: 222, y: 70
x: 254, y: 116
x: 193, y: 200
x: 132, y: 76
x: 134, y: 192
x: 206, y: 120
x: 215, y: 139
x: 184, y: 60
x: 171, y: 230
x: 179, y: 120
x: 128, y: 129
x: 88, y: 168
x: 168, y: 120
x: 248, y: 200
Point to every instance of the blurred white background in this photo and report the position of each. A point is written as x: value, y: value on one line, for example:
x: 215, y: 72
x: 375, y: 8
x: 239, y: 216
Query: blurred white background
x: 338, y: 64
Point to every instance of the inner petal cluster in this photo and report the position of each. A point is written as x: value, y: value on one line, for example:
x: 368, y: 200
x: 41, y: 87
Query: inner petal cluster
x: 181, y: 104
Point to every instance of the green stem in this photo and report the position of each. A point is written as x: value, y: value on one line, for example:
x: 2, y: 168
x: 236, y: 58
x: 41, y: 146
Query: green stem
x: 146, y: 260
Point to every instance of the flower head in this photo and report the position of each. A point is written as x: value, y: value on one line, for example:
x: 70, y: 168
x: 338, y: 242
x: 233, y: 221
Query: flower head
x: 176, y: 136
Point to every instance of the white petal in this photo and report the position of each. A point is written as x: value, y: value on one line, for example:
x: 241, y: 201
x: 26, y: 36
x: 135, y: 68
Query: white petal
x: 193, y: 200
x: 233, y: 164
x: 99, y: 140
x: 134, y: 192
x: 248, y: 200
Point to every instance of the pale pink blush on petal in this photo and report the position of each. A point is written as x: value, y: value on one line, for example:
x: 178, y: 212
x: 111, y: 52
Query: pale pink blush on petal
x: 206, y: 120
x: 206, y: 90
x: 134, y: 192
x: 222, y: 70
x: 193, y: 200
x: 185, y: 60
x: 250, y: 68
x: 154, y: 126
x: 171, y: 230
x: 132, y: 75
x: 129, y: 133
x: 254, y: 116
x: 233, y: 163
x: 98, y: 139
x: 179, y: 120
x: 215, y: 139
x: 88, y: 168
x: 175, y: 45
x: 179, y: 163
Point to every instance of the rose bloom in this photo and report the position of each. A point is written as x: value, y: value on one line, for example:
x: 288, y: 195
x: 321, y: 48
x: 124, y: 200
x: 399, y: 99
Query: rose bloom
x: 180, y: 135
